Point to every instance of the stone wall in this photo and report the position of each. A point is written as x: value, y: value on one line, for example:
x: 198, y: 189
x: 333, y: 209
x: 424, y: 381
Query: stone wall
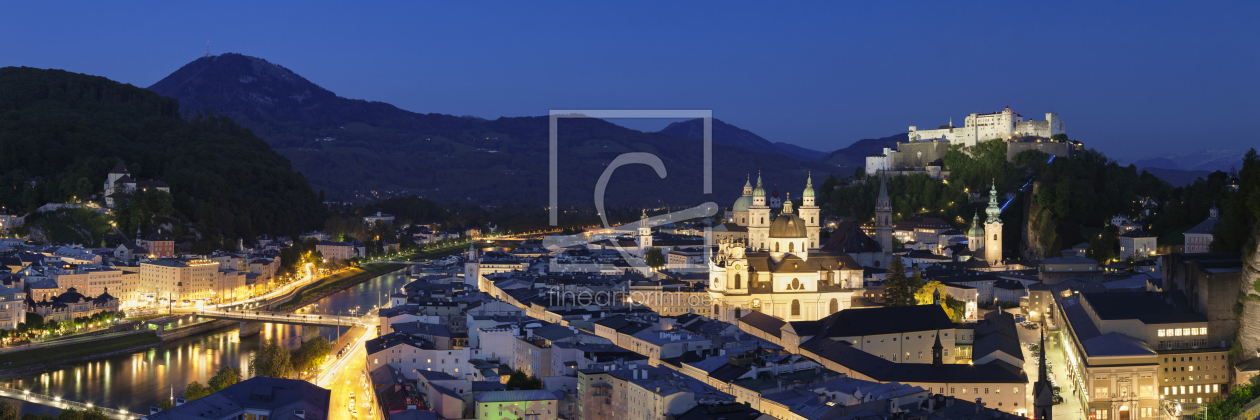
x: 1059, y: 149
x: 917, y: 155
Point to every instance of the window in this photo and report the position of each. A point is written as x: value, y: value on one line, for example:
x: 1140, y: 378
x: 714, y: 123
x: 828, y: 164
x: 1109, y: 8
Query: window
x: 1146, y: 390
x: 1100, y: 392
x: 835, y: 306
x: 796, y: 304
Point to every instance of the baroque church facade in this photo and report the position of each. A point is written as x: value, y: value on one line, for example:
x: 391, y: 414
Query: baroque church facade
x: 779, y: 268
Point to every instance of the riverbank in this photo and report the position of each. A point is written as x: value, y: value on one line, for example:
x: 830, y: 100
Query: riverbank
x: 336, y: 283
x: 24, y: 362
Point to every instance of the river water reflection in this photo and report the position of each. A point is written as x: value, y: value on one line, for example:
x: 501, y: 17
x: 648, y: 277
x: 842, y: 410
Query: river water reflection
x: 136, y: 381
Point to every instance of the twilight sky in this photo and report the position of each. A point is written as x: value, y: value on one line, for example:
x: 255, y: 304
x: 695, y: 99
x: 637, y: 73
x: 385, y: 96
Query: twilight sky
x: 1130, y: 79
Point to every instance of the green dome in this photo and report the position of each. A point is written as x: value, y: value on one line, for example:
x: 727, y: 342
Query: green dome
x: 787, y: 225
x: 809, y: 187
x: 759, y: 191
x: 742, y: 204
x: 977, y: 229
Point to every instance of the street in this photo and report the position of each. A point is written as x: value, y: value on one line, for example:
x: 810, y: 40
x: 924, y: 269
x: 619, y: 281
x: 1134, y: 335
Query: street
x: 1070, y: 409
x: 347, y: 375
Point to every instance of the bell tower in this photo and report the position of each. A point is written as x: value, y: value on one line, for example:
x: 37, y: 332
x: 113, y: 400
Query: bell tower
x: 993, y: 230
x: 1043, y: 395
x: 883, y: 217
x: 645, y: 234
x: 758, y: 218
x: 809, y: 213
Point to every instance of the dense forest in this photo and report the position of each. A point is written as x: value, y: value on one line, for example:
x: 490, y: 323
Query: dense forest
x: 61, y: 132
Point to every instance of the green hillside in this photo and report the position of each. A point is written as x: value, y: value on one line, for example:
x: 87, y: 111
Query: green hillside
x: 61, y: 132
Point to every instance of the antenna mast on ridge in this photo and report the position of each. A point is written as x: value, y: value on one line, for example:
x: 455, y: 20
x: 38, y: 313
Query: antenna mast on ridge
x: 207, y: 48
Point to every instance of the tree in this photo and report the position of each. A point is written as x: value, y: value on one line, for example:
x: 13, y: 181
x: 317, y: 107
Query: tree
x: 927, y: 295
x: 8, y: 411
x: 228, y: 375
x: 195, y: 390
x: 654, y: 258
x: 33, y: 416
x: 311, y: 355
x: 271, y: 360
x: 896, y: 285
x: 522, y: 381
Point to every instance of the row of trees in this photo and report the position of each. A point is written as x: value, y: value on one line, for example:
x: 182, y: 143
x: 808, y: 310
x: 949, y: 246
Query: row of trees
x: 36, y: 326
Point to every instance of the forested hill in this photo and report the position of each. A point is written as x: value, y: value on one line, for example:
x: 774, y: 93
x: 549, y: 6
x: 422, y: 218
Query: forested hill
x: 62, y: 132
x: 343, y: 145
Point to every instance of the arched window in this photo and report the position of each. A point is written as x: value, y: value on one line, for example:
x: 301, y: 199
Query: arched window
x: 835, y: 306
x: 763, y: 220
x: 737, y: 285
x: 796, y: 307
x: 776, y: 247
x: 811, y: 220
x: 715, y: 310
x: 791, y: 247
x: 737, y: 313
x: 995, y: 236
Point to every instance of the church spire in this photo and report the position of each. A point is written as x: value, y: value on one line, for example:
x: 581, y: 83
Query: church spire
x: 994, y: 211
x: 787, y: 204
x: 937, y: 350
x: 883, y: 186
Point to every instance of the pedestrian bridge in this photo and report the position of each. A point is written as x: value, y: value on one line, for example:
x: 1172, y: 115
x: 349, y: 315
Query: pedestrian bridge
x: 321, y: 320
x: 57, y: 402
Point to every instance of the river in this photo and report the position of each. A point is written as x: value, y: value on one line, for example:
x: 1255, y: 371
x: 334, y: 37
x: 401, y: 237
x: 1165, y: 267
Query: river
x: 136, y: 381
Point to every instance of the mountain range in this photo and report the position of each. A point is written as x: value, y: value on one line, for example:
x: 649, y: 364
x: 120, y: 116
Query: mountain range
x: 349, y: 146
x: 1184, y: 168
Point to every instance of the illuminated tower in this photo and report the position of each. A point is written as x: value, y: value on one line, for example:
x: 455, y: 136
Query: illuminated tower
x: 883, y: 217
x: 993, y: 230
x: 809, y: 213
x: 758, y: 218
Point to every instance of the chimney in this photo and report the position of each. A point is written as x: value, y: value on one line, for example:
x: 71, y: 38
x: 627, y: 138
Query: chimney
x: 180, y: 401
x: 978, y: 404
x: 949, y: 401
x: 299, y: 413
x: 931, y: 404
x: 892, y: 406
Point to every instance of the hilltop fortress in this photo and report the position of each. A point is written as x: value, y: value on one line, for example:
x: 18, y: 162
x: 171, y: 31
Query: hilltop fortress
x: 926, y: 147
x: 1002, y: 125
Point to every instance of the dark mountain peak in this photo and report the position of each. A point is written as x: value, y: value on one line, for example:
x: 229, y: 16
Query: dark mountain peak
x: 236, y: 77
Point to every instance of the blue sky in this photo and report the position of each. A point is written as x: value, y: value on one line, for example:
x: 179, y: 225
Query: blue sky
x: 1130, y: 79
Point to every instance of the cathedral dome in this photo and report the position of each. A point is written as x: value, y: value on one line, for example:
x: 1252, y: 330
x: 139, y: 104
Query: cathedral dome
x: 787, y: 225
x: 759, y: 191
x: 743, y: 203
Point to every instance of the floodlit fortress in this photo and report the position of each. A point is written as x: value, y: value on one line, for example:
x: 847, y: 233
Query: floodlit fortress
x: 1003, y: 125
x: 925, y: 148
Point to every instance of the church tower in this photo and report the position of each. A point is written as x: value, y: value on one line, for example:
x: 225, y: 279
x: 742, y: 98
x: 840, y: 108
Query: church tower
x: 809, y: 213
x: 758, y: 218
x: 1043, y: 395
x: 883, y: 217
x: 993, y: 230
x: 645, y: 234
x: 975, y: 236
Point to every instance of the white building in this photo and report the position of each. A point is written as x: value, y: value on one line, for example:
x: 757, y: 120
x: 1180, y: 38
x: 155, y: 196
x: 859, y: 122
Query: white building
x: 1002, y: 125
